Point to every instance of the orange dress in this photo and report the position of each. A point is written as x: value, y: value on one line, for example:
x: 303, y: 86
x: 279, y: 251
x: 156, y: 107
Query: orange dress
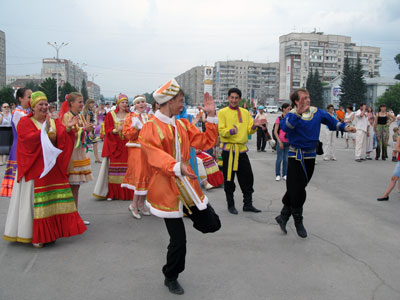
x: 138, y: 172
x: 168, y: 191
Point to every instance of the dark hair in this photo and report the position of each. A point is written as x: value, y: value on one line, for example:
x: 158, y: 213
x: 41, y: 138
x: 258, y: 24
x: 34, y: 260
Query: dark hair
x: 295, y: 95
x: 362, y: 104
x: 329, y: 106
x: 350, y: 107
x: 380, y: 106
x: 285, y: 105
x: 235, y: 90
x: 20, y: 93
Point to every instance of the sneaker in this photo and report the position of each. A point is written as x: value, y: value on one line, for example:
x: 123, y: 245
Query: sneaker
x: 109, y: 199
x: 358, y: 160
x: 86, y: 222
x: 284, y: 177
x: 278, y: 178
x: 333, y: 158
x: 326, y: 159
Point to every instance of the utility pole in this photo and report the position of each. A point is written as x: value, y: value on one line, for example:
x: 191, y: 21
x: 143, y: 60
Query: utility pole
x: 57, y: 47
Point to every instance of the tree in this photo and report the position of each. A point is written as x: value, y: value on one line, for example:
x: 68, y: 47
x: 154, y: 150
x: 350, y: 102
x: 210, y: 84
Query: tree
x: 149, y: 97
x: 314, y: 87
x: 7, y: 95
x: 359, y: 85
x: 66, y: 89
x: 49, y: 87
x: 33, y: 86
x: 84, y: 90
x: 391, y: 98
x: 346, y: 87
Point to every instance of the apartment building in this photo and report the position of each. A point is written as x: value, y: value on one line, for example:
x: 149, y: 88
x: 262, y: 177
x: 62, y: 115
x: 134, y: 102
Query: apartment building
x: 192, y: 83
x: 67, y: 70
x: 301, y: 52
x: 93, y: 90
x: 258, y: 81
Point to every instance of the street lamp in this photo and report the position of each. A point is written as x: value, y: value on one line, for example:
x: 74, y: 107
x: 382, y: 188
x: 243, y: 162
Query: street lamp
x: 57, y: 47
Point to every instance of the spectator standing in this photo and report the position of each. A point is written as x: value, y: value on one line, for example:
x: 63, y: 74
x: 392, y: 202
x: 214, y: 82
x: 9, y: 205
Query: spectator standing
x: 340, y: 114
x: 282, y: 146
x: 349, y: 119
x: 5, y: 132
x: 261, y: 130
x: 361, y: 125
x: 370, y: 137
x: 329, y: 151
x: 383, y: 119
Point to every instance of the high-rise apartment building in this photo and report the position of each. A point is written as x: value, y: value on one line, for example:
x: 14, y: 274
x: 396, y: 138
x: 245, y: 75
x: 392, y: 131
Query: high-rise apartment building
x: 192, y: 83
x: 2, y: 59
x: 67, y: 70
x: 259, y: 81
x: 301, y: 52
x: 93, y: 90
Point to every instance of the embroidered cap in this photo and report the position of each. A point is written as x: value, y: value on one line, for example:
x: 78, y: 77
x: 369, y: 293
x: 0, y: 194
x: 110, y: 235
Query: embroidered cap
x: 138, y: 98
x: 121, y: 98
x: 36, y: 97
x: 167, y: 92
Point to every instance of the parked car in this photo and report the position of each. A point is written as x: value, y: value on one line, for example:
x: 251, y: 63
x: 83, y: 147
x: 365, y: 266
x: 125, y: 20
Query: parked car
x: 272, y: 109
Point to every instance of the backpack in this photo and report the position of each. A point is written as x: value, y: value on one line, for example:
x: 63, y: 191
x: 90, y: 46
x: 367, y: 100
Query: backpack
x: 273, y: 129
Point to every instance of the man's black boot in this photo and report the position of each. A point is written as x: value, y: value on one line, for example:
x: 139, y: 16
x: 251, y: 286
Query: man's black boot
x: 231, y: 203
x: 173, y: 286
x: 297, y: 214
x: 283, y: 218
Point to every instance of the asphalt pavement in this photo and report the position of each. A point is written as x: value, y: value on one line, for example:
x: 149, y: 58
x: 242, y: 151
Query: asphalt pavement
x: 352, y: 251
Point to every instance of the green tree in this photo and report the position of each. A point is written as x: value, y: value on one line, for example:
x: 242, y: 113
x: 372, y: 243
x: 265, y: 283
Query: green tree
x: 346, y: 87
x: 314, y: 87
x: 49, y: 87
x: 7, y: 95
x: 33, y: 86
x: 149, y: 97
x: 84, y: 90
x: 66, y: 89
x: 391, y: 98
x: 359, y: 85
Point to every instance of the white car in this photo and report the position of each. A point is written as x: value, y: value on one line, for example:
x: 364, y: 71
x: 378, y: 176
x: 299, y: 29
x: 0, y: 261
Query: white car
x: 272, y: 109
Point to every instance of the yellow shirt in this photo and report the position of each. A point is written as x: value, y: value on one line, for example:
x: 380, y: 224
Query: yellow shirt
x: 234, y: 143
x: 227, y: 117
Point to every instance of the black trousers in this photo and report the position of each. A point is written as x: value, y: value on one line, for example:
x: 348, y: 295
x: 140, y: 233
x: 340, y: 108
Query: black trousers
x: 205, y: 221
x: 261, y: 140
x: 297, y: 181
x: 245, y: 178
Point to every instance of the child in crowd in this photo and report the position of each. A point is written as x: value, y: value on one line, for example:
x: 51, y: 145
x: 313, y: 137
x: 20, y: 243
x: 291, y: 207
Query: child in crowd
x: 370, y: 137
x: 394, y: 138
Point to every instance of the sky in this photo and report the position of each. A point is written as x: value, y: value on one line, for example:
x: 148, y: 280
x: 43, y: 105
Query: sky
x: 134, y: 46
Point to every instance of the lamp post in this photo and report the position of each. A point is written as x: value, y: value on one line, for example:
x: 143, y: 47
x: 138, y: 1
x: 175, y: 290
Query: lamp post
x: 57, y: 47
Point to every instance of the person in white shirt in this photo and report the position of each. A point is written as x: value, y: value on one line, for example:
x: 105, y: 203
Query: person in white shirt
x: 361, y: 124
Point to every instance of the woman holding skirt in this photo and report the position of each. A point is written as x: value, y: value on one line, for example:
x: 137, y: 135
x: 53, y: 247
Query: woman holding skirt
x: 137, y: 175
x: 42, y: 207
x: 115, y: 162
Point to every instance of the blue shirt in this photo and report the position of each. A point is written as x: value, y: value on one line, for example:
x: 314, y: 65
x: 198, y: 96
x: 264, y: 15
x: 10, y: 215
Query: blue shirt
x: 303, y: 130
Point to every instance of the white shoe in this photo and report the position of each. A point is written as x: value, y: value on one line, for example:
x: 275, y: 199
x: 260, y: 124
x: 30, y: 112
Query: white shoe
x: 109, y: 199
x: 145, y: 212
x: 326, y: 159
x: 208, y: 186
x: 86, y: 222
x: 284, y: 177
x: 278, y: 178
x: 134, y: 214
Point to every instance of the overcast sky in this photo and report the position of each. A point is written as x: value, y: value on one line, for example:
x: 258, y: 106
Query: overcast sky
x: 134, y: 46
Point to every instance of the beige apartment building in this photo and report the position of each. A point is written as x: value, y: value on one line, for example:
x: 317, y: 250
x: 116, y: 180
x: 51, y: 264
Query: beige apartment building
x: 258, y: 81
x: 67, y: 70
x: 300, y: 52
x: 192, y: 83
